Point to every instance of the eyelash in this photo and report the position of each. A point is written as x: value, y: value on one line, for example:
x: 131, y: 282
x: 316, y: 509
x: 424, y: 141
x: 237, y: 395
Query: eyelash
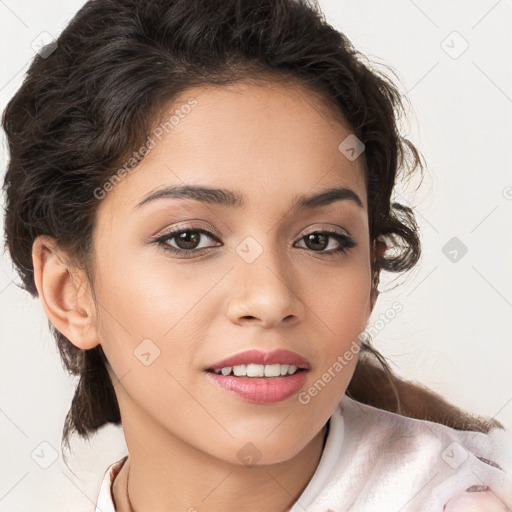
x: 346, y: 242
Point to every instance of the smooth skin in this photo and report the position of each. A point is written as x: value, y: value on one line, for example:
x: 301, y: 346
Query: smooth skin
x: 269, y: 142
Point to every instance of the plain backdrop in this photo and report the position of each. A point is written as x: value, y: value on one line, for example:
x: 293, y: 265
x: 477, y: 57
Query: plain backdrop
x: 453, y: 63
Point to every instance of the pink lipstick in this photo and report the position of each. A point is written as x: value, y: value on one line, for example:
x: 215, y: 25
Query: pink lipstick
x: 261, y: 377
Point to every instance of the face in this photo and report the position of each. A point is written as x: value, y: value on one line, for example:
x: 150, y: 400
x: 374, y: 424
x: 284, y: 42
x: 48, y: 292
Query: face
x: 260, y: 275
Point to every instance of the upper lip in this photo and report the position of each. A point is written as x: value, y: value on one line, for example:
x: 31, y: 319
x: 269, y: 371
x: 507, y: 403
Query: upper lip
x: 277, y: 356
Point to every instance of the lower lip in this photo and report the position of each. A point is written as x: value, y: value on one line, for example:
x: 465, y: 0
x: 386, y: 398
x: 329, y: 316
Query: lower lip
x: 261, y: 390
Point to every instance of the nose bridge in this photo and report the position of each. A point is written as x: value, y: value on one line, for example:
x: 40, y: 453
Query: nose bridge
x: 264, y: 282
x: 264, y: 259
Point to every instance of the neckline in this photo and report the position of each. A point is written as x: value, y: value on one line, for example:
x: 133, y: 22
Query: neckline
x: 330, y: 453
x: 115, y: 471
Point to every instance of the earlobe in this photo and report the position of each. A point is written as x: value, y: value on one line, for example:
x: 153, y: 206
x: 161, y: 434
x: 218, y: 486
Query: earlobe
x: 60, y: 294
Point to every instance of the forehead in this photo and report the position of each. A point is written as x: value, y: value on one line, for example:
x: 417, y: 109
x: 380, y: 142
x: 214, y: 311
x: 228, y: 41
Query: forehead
x: 265, y: 140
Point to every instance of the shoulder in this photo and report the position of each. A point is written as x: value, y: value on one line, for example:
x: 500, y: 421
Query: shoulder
x: 419, y: 465
x: 105, y: 500
x: 394, y: 430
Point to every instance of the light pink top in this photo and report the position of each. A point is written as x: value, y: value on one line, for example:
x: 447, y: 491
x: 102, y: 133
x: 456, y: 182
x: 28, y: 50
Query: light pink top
x: 374, y: 460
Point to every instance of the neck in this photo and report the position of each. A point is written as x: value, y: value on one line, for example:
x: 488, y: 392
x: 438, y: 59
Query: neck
x: 185, y: 479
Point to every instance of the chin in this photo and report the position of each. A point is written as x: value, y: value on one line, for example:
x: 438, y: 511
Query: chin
x: 274, y: 449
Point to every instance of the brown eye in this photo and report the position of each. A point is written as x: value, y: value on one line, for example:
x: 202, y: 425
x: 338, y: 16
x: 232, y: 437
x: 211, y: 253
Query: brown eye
x: 186, y: 240
x: 318, y: 241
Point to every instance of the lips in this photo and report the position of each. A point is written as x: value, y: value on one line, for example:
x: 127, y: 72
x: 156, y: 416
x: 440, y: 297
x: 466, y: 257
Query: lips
x: 248, y: 367
x: 277, y: 356
x: 260, y: 390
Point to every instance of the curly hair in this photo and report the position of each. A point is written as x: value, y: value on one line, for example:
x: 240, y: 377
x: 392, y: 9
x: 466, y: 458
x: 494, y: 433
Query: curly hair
x: 85, y: 106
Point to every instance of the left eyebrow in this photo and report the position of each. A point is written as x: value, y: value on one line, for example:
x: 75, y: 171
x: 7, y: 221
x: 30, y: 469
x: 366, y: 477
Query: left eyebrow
x: 233, y: 199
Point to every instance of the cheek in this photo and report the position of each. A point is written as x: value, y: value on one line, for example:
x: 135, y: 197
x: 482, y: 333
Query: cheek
x: 339, y: 308
x: 135, y: 291
x: 152, y: 325
x: 152, y: 306
x: 339, y: 301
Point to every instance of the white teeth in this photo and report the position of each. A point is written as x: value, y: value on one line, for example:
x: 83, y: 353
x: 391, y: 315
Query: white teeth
x: 240, y: 370
x: 258, y: 370
x: 255, y: 370
x: 272, y: 370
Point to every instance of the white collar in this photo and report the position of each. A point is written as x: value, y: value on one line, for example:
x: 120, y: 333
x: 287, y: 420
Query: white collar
x: 331, y: 453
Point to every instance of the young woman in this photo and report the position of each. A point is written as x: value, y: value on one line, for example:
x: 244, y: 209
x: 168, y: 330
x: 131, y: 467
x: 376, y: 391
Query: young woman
x: 199, y: 193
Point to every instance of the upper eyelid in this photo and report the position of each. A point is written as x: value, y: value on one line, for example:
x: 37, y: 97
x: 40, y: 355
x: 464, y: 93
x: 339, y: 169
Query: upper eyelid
x: 172, y: 232
x: 175, y: 231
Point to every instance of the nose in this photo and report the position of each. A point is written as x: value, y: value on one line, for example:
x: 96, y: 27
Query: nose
x: 265, y: 291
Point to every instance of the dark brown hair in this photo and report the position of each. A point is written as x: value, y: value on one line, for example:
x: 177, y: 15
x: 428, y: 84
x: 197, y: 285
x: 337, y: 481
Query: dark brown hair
x: 84, y: 107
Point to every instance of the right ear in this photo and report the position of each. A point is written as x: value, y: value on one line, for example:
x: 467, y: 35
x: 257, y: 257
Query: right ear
x: 62, y: 296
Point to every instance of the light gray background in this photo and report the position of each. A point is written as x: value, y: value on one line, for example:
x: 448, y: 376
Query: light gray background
x: 454, y: 333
